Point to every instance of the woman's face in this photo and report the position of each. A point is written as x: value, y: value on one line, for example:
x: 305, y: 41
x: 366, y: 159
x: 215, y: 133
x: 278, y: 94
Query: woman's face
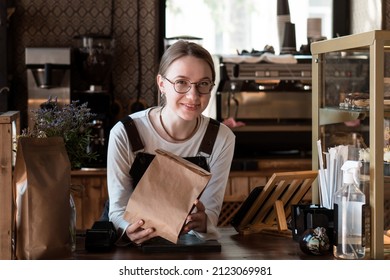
x: 190, y: 105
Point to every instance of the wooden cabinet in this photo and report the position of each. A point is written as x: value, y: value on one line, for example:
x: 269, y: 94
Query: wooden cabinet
x: 89, y: 190
x: 241, y: 183
x: 346, y: 72
x: 9, y: 128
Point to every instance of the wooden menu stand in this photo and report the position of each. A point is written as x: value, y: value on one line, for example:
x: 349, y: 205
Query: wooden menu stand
x: 269, y: 208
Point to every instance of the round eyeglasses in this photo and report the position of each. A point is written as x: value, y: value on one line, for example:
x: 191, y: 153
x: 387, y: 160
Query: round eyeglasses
x: 183, y: 86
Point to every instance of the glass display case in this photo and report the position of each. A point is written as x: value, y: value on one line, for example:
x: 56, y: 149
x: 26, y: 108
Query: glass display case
x: 351, y: 106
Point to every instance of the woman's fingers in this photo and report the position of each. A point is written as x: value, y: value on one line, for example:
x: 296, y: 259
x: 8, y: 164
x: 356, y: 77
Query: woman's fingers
x: 196, y: 221
x: 199, y: 206
x: 137, y: 234
x: 148, y: 234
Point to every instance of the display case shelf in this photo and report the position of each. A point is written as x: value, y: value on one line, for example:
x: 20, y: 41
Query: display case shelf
x: 331, y: 115
x: 357, y: 63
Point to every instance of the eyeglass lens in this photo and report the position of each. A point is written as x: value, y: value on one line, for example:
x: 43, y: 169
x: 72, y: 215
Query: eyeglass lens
x: 183, y: 86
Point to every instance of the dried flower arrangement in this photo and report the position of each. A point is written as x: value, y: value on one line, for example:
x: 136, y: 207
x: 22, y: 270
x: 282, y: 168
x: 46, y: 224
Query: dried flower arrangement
x: 72, y: 122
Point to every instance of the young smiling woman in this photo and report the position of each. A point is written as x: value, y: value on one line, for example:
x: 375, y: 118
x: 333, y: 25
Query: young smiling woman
x: 185, y: 79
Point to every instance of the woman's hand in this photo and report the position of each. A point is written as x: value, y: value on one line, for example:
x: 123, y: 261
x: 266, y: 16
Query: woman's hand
x: 196, y: 221
x: 137, y: 234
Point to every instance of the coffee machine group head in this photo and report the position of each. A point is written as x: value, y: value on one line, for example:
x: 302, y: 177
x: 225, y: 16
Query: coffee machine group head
x: 48, y: 75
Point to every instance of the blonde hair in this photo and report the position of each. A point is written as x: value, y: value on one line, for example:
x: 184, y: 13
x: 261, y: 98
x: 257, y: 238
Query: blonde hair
x: 180, y: 49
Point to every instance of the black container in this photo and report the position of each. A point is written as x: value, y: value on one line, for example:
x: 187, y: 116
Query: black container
x: 307, y: 216
x: 289, y: 45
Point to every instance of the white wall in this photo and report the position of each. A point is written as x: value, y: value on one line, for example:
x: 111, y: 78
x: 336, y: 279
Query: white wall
x: 366, y: 15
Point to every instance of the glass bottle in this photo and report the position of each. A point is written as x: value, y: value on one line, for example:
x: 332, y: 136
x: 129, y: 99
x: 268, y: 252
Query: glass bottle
x: 72, y: 225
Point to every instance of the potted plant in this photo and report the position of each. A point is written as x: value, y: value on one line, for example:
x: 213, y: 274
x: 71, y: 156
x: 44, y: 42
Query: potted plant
x: 71, y: 122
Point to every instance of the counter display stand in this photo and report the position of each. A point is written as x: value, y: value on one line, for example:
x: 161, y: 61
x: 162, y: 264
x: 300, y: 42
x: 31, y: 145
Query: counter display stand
x: 351, y: 93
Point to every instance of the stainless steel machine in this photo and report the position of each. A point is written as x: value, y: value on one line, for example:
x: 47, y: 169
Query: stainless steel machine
x: 48, y: 75
x: 273, y: 101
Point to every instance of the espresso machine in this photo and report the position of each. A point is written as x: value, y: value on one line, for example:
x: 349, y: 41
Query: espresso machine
x: 48, y: 75
x: 92, y: 59
x: 271, y: 102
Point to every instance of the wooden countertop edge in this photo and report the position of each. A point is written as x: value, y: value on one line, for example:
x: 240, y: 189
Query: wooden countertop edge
x: 89, y: 172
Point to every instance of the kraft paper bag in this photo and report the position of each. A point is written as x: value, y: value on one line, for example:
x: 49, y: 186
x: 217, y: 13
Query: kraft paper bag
x: 166, y: 193
x: 42, y: 199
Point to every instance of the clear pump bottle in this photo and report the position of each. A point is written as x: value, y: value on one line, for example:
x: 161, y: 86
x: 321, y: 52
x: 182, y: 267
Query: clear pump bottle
x: 348, y: 207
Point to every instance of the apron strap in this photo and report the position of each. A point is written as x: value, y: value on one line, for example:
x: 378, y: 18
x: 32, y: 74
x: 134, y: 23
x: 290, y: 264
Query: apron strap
x: 132, y: 133
x: 209, y: 137
x: 205, y: 147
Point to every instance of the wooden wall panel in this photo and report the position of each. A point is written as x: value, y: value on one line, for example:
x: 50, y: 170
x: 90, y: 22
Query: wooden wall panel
x: 90, y: 194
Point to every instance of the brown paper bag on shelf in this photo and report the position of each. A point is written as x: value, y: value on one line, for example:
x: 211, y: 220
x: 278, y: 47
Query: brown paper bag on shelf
x: 166, y: 193
x: 42, y: 199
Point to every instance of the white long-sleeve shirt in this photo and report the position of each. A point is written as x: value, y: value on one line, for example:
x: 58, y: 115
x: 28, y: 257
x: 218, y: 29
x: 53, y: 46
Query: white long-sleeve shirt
x: 120, y: 159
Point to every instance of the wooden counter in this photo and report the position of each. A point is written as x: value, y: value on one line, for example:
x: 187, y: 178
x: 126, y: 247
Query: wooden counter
x: 261, y: 246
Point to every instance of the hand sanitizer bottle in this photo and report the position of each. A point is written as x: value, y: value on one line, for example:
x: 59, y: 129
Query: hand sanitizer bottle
x: 348, y: 208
